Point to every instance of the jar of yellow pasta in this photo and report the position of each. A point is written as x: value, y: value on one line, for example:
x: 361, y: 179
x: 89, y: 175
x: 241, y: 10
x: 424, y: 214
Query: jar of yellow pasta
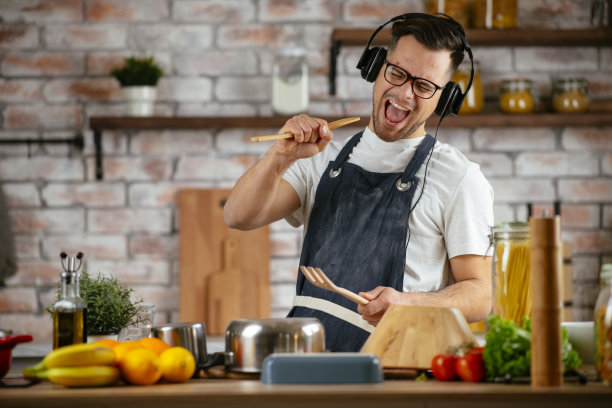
x: 498, y: 14
x: 517, y: 96
x: 511, y: 271
x: 457, y: 9
x: 603, y: 326
x: 570, y: 95
x: 474, y: 100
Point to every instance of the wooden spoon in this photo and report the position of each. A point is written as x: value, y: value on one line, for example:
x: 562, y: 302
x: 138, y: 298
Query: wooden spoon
x: 331, y: 126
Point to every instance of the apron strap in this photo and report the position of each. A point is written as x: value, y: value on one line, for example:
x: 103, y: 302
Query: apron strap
x: 346, y: 150
x: 334, y: 310
x: 419, y: 157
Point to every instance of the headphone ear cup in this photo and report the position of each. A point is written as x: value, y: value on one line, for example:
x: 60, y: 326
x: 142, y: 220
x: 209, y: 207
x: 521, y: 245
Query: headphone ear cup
x: 371, y: 62
x: 450, y: 101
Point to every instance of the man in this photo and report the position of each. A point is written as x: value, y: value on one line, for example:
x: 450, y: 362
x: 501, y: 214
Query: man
x: 390, y: 213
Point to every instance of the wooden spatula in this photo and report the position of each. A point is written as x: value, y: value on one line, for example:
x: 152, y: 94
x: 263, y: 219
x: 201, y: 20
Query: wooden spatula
x: 318, y: 278
x: 331, y: 126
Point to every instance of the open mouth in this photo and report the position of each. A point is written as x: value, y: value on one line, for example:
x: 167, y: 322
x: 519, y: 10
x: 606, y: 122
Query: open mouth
x: 395, y: 113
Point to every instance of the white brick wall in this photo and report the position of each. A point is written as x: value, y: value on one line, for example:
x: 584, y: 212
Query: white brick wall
x: 217, y: 57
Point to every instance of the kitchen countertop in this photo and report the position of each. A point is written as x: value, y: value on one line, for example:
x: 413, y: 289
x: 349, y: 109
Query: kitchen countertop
x: 233, y: 393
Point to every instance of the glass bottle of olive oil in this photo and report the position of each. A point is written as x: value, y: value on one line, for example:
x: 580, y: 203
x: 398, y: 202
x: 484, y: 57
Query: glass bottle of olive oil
x: 68, y: 311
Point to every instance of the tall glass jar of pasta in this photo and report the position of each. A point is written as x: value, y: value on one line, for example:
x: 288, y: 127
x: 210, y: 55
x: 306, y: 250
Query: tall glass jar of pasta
x: 603, y: 326
x: 511, y: 271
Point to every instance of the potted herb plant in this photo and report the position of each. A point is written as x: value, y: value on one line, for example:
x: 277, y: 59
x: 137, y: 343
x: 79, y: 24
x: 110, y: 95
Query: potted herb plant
x: 110, y: 306
x: 138, y: 78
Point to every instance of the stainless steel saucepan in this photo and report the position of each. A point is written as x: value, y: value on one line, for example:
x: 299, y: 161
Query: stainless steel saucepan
x: 249, y: 341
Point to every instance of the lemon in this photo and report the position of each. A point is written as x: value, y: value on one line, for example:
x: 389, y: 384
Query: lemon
x: 154, y: 344
x: 177, y: 364
x: 141, y: 367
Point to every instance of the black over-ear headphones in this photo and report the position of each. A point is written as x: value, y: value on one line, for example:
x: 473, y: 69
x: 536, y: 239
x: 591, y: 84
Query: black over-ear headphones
x: 372, y: 60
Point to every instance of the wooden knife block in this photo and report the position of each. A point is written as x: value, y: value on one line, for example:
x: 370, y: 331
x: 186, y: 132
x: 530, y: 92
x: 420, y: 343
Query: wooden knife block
x: 410, y: 336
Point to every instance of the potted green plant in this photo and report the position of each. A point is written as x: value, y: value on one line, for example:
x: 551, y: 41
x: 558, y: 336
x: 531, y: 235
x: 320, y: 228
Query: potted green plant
x: 138, y: 78
x: 111, y: 307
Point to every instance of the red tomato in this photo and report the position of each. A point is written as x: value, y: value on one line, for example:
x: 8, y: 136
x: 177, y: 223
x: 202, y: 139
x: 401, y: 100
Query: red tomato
x: 470, y: 367
x: 443, y: 367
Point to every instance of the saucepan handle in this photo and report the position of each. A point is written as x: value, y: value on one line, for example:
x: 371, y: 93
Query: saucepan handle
x: 216, y: 359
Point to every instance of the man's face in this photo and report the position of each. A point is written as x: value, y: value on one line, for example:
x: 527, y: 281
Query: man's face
x: 397, y: 112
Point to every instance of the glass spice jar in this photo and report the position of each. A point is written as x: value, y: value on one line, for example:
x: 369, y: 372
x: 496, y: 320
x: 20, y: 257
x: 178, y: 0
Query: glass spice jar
x: 603, y: 326
x: 499, y: 14
x: 570, y: 95
x: 511, y: 271
x: 457, y: 9
x: 517, y: 96
x: 474, y: 100
x: 290, y: 82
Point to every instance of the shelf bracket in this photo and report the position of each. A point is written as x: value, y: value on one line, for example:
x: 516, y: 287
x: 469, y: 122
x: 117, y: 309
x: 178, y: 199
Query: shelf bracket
x: 97, y: 133
x: 334, y: 51
x: 77, y: 142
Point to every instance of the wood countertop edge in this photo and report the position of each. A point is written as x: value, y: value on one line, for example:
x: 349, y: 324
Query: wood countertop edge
x: 255, y: 393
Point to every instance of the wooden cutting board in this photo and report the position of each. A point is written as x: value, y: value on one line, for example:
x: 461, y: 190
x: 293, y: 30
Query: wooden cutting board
x: 203, y: 238
x: 410, y: 336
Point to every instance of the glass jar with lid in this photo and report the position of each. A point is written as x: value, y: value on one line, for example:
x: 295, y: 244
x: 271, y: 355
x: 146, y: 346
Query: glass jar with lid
x: 457, y: 9
x: 517, y: 96
x: 603, y: 326
x: 511, y: 271
x: 570, y: 95
x: 498, y: 14
x: 290, y: 82
x: 474, y: 100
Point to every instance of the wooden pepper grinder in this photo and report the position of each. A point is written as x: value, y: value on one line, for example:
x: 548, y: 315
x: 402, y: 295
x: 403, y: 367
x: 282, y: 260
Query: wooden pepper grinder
x: 546, y: 264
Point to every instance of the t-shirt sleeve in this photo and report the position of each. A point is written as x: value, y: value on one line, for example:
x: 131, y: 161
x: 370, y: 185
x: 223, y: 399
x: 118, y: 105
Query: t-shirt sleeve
x: 296, y: 176
x: 469, y: 215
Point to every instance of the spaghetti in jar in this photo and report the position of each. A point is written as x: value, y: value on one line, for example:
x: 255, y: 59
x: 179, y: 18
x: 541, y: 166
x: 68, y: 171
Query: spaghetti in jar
x: 603, y: 326
x: 511, y: 271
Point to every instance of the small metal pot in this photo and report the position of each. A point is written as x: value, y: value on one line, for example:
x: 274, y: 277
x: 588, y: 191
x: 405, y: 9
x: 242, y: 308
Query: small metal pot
x: 191, y: 336
x: 249, y: 341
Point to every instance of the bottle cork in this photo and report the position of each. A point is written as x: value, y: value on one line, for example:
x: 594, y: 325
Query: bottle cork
x: 546, y: 266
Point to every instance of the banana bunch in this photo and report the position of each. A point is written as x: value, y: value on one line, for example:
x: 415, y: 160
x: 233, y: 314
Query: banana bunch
x: 78, y: 365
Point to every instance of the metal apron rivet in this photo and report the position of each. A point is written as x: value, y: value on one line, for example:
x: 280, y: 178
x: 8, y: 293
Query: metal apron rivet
x: 402, y: 186
x: 335, y: 173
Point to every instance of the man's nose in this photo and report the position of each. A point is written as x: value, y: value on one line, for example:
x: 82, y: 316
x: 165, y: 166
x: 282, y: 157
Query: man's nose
x: 407, y: 90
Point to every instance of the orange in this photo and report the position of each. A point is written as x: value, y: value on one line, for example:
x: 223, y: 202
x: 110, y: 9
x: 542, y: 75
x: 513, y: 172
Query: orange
x: 154, y: 344
x: 141, y: 367
x: 108, y: 342
x: 177, y: 364
x: 123, y: 348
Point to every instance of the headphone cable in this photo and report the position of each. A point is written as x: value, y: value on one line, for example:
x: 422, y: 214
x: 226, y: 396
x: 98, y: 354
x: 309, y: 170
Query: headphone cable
x: 424, y: 177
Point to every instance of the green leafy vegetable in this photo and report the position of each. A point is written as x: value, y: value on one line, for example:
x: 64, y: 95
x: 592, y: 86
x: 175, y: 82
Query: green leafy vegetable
x: 508, y: 349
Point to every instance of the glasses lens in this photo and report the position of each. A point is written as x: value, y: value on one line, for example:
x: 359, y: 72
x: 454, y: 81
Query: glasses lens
x: 423, y: 88
x: 395, y: 75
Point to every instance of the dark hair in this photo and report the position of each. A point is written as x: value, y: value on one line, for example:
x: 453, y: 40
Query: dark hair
x: 433, y: 34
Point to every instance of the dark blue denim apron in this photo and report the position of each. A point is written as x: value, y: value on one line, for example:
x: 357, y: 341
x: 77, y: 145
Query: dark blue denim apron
x: 356, y: 234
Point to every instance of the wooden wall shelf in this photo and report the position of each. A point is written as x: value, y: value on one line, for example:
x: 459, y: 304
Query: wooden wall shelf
x: 491, y: 38
x: 100, y: 123
x: 488, y: 38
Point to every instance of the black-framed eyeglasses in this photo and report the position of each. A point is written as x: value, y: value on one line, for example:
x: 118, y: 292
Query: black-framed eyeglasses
x: 423, y: 88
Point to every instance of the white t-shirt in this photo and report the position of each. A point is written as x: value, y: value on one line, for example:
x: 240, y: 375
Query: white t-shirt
x: 452, y: 218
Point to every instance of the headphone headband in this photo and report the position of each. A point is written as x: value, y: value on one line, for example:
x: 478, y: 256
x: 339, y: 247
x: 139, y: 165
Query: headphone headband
x: 370, y: 64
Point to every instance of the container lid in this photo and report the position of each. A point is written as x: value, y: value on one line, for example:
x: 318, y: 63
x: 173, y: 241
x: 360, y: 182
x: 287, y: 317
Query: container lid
x: 514, y: 226
x: 517, y: 84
